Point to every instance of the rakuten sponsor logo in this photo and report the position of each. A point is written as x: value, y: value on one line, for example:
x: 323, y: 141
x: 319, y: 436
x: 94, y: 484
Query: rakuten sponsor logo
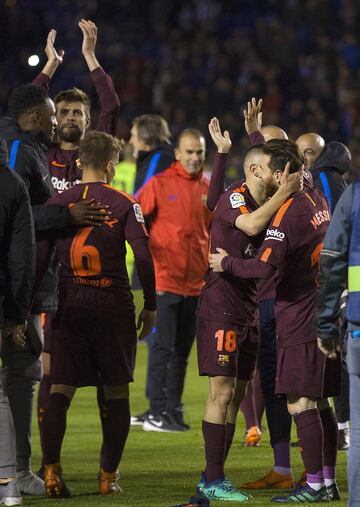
x: 60, y: 185
x: 274, y: 234
x: 251, y: 250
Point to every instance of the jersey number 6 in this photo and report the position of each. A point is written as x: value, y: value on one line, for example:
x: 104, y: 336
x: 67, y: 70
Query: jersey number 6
x: 85, y: 259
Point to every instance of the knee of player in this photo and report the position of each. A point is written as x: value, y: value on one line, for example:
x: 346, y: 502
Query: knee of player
x: 222, y: 394
x: 116, y: 392
x: 297, y: 403
x: 45, y: 357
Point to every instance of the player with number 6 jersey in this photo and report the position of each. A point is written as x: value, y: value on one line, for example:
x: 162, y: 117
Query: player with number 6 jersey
x: 94, y: 331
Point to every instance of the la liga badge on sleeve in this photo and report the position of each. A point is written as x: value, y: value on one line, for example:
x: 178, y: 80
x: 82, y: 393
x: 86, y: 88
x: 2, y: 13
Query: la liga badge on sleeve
x: 138, y: 213
x: 237, y: 200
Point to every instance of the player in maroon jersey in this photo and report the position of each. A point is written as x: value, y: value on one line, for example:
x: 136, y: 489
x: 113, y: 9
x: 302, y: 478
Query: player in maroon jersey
x: 73, y: 108
x: 292, y: 245
x: 227, y: 317
x: 94, y: 331
x: 73, y: 117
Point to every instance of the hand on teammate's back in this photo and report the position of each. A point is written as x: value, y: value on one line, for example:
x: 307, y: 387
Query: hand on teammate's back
x: 88, y: 213
x: 291, y: 183
x: 146, y: 322
x: 215, y: 260
x: 222, y: 141
x: 15, y: 332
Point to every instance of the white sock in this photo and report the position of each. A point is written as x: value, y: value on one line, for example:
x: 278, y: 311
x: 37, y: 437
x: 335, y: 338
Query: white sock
x: 344, y: 426
x: 329, y: 482
x: 316, y: 485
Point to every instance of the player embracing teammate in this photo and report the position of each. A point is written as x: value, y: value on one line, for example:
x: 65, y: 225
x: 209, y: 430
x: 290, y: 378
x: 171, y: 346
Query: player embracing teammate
x: 292, y: 245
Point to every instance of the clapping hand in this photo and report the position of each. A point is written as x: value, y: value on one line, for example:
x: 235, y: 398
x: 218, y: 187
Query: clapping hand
x: 222, y: 141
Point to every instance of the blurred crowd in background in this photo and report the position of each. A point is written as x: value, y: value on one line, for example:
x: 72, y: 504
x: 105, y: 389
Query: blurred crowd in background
x: 189, y: 60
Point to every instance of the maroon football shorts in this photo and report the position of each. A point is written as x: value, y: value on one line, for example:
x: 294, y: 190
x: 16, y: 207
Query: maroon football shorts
x: 92, y: 347
x: 304, y: 370
x: 226, y: 349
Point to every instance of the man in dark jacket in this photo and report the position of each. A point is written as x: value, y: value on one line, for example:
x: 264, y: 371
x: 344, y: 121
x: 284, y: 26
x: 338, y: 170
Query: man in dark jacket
x: 17, y: 247
x: 339, y: 268
x: 150, y: 137
x: 28, y: 130
x: 327, y: 164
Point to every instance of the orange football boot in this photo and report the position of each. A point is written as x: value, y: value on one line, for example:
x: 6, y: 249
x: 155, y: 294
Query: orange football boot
x: 252, y: 437
x: 271, y: 480
x: 108, y: 483
x: 54, y: 484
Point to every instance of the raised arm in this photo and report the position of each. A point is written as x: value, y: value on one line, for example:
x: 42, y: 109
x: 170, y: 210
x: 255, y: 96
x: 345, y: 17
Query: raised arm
x: 223, y: 144
x: 253, y: 121
x: 109, y: 102
x: 54, y: 59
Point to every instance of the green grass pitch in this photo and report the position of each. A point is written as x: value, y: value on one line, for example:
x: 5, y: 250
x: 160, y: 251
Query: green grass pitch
x: 158, y: 469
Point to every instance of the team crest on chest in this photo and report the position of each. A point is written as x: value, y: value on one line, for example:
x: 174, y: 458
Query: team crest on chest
x: 237, y: 200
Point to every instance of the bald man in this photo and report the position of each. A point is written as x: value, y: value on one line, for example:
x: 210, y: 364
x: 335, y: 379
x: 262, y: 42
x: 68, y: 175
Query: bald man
x: 311, y: 146
x: 327, y: 162
x: 273, y: 132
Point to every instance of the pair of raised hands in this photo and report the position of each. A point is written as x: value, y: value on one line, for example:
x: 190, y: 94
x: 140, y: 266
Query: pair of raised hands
x: 89, y: 30
x: 253, y: 122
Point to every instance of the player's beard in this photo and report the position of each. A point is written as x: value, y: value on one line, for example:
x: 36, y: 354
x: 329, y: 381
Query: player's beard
x: 271, y: 186
x: 69, y: 135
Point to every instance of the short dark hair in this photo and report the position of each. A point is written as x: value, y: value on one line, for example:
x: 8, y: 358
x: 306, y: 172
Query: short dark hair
x: 282, y: 151
x: 97, y: 148
x: 190, y: 132
x: 25, y: 97
x: 152, y: 129
x: 252, y: 148
x: 74, y: 95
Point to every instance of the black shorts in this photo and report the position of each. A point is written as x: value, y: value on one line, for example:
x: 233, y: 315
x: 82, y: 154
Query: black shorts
x: 226, y: 349
x: 92, y: 347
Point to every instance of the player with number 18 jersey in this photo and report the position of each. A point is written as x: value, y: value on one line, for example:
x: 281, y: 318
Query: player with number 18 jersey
x: 227, y: 315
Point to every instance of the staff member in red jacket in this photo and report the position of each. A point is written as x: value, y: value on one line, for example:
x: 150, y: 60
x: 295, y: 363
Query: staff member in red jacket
x: 175, y: 201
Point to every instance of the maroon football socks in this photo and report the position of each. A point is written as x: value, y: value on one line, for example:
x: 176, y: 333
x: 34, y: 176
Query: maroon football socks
x: 229, y: 436
x: 215, y: 444
x: 282, y: 457
x: 54, y: 425
x: 42, y: 403
x: 311, y: 439
x: 115, y: 422
x: 331, y: 434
